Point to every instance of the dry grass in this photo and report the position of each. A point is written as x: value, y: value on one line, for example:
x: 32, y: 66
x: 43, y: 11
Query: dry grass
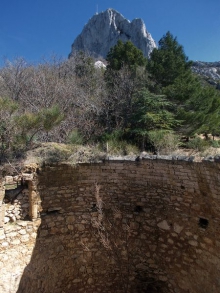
x: 48, y: 153
x: 199, y: 156
x: 73, y: 154
x: 57, y: 152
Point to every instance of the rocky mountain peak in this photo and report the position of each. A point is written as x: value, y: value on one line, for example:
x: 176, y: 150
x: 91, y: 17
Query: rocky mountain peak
x: 104, y: 30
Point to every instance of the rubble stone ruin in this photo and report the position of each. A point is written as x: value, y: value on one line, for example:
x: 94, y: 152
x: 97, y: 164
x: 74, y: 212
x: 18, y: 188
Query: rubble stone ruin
x: 163, y: 227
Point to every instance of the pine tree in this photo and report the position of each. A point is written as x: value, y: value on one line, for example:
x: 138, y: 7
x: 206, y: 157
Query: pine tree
x: 170, y: 69
x: 29, y: 124
x: 204, y: 115
x: 125, y: 54
x: 168, y: 62
x: 151, y: 112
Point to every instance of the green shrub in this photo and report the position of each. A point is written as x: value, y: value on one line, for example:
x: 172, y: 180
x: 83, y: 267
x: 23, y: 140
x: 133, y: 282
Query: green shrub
x: 120, y: 147
x: 215, y: 143
x: 75, y: 138
x: 164, y: 141
x: 198, y: 144
x: 116, y: 135
x: 114, y: 144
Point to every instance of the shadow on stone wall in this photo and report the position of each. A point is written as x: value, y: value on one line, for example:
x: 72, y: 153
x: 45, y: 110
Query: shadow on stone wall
x: 173, y: 208
x: 16, y: 203
x: 68, y: 258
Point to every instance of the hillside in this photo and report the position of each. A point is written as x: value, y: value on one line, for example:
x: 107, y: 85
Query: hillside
x: 130, y: 104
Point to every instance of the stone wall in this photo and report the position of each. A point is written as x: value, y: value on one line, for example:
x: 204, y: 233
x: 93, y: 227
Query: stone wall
x: 164, y: 234
x: 17, y: 208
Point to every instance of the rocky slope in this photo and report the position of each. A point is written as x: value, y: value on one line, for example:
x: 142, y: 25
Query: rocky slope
x: 208, y: 70
x: 104, y: 30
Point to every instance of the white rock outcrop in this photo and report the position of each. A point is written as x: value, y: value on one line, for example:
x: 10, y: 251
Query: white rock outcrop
x: 207, y: 69
x: 99, y: 64
x: 104, y: 30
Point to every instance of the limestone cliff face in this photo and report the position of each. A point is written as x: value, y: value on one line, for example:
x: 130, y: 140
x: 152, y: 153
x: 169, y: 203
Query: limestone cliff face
x: 208, y: 70
x: 104, y: 30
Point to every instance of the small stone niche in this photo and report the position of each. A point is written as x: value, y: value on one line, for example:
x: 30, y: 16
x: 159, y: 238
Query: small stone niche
x: 16, y: 202
x: 138, y: 209
x: 203, y: 223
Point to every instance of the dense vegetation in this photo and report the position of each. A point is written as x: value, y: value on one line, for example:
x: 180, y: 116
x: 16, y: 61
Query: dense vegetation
x: 147, y: 103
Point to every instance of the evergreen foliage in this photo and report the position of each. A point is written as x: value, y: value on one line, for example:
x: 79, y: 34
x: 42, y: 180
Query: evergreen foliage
x: 30, y: 124
x: 125, y: 54
x: 18, y: 129
x: 151, y: 112
x: 205, y: 113
x: 168, y: 62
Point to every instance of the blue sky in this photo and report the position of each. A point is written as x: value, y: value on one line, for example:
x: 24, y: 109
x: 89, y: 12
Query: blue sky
x: 38, y: 29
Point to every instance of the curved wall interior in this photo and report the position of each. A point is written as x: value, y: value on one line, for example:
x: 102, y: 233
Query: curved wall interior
x: 164, y: 230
